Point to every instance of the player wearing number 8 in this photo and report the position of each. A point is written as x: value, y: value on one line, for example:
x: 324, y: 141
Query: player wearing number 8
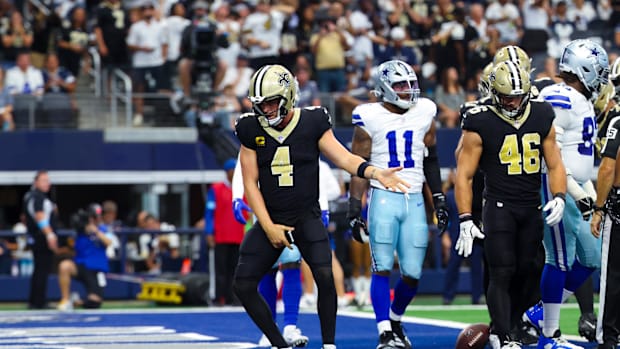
x: 508, y: 140
x: 398, y: 131
x: 279, y: 156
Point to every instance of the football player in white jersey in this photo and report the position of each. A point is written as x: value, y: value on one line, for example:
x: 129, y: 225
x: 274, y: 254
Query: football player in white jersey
x: 584, y: 67
x: 397, y: 131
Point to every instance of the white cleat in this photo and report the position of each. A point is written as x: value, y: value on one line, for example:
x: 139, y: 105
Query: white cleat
x: 292, y: 335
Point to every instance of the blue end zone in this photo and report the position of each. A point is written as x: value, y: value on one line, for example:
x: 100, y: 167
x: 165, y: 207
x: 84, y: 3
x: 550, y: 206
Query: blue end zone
x: 191, y: 328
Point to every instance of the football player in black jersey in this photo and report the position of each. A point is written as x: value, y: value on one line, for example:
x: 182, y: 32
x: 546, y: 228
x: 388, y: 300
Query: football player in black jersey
x: 280, y: 148
x: 508, y: 140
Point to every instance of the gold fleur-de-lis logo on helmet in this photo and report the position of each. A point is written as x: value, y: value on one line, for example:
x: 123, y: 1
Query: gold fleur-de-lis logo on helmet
x: 284, y: 79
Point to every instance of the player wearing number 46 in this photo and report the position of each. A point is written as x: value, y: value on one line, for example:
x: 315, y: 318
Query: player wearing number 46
x: 279, y: 156
x: 398, y: 131
x: 508, y: 140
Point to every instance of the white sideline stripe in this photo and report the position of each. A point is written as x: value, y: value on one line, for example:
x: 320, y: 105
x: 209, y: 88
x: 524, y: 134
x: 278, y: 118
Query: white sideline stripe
x: 197, y: 336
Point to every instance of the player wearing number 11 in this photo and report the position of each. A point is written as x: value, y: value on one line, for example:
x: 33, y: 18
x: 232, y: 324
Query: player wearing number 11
x: 508, y: 140
x: 398, y: 131
x: 279, y: 155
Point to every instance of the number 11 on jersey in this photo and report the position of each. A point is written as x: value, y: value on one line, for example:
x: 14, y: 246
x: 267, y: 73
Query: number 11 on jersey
x: 393, y: 149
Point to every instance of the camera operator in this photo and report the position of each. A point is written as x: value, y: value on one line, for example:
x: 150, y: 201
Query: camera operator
x: 90, y: 262
x: 199, y: 42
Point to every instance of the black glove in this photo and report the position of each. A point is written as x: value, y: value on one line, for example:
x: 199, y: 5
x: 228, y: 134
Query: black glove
x: 586, y: 206
x: 359, y: 231
x: 441, y: 211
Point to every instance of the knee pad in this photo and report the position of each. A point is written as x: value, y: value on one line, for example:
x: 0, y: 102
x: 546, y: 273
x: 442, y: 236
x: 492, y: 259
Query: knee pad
x: 91, y: 304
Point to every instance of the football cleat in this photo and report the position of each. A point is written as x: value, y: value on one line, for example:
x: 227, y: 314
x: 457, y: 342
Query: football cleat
x: 534, y: 316
x: 292, y: 335
x: 388, y: 341
x: 400, y: 334
x: 65, y: 306
x: 587, y: 326
x: 556, y: 342
x: 525, y: 333
x: 511, y: 345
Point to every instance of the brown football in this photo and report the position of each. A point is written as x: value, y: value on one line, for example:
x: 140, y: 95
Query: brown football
x: 473, y: 336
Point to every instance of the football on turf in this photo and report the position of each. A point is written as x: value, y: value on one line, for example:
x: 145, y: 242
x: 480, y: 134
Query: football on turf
x: 473, y: 336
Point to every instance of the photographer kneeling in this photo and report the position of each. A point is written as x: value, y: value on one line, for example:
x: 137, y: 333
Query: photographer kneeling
x: 90, y: 262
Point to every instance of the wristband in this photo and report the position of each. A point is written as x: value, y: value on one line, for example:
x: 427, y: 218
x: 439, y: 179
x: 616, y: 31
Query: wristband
x: 42, y: 224
x: 463, y: 217
x: 560, y: 195
x: 599, y: 208
x: 362, y: 168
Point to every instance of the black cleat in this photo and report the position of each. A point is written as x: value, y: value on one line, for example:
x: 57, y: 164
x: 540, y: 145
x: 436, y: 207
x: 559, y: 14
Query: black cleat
x: 388, y: 341
x: 587, y: 326
x: 400, y: 335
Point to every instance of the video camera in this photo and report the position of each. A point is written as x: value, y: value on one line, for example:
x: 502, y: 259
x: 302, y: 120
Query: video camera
x: 204, y: 42
x: 82, y: 217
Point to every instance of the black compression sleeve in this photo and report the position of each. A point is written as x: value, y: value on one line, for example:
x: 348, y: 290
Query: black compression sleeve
x: 431, y: 170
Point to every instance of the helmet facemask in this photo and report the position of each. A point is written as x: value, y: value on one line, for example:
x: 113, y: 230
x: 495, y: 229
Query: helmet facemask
x: 273, y: 93
x: 589, y: 62
x: 407, y: 92
x: 397, y: 84
x: 510, y: 88
x: 274, y: 115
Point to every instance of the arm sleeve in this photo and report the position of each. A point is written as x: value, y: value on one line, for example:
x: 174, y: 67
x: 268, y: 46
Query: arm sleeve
x: 431, y: 170
x: 209, y: 212
x: 237, y: 182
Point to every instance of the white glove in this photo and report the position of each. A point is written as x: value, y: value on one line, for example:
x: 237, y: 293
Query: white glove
x: 468, y: 232
x: 555, y: 209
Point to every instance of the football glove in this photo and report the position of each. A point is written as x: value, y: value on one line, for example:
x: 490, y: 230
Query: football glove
x: 468, y: 232
x: 441, y: 211
x: 238, y: 207
x: 555, y: 210
x: 325, y: 217
x: 359, y: 231
x: 586, y: 206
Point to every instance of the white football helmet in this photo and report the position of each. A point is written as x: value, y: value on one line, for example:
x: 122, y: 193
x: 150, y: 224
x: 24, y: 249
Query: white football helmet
x: 589, y: 62
x: 392, y: 72
x: 273, y: 82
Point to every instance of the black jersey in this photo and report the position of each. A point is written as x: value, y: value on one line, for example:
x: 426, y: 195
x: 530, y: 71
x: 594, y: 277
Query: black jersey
x: 609, y: 125
x: 114, y: 24
x: 288, y: 161
x: 512, y: 152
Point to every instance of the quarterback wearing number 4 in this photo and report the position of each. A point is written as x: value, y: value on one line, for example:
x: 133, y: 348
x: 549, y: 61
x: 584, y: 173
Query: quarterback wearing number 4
x: 508, y: 140
x: 399, y: 131
x: 279, y: 155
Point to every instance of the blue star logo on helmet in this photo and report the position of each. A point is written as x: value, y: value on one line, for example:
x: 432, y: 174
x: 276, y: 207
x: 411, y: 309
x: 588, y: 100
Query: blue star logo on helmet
x: 595, y: 52
x: 385, y: 72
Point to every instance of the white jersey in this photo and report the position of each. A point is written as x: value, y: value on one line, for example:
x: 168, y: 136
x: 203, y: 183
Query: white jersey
x: 575, y: 126
x: 397, y: 139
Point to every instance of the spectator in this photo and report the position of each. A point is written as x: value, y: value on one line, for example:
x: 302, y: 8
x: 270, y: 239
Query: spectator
x: 109, y: 225
x: 57, y: 79
x: 223, y: 234
x: 111, y: 25
x: 227, y: 107
x: 581, y: 12
x: 41, y: 220
x: 90, y: 262
x: 397, y: 50
x: 148, y: 44
x: 561, y: 30
x: 550, y: 71
x: 449, y: 96
x: 239, y: 77
x: 231, y: 27
x: 17, y: 38
x: 43, y: 25
x: 328, y: 47
x: 174, y: 25
x: 24, y: 78
x: 73, y: 42
x: 6, y: 105
x: 448, y: 46
x: 262, y: 32
x: 308, y: 90
x: 504, y: 16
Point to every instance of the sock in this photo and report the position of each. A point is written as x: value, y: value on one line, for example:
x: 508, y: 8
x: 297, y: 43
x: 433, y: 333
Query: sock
x: 267, y: 288
x: 384, y: 326
x: 291, y: 294
x: 380, y: 296
x: 403, y: 294
x: 551, y: 293
x: 576, y: 276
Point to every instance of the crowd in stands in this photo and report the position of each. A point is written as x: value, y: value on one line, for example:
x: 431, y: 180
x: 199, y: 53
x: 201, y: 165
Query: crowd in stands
x: 45, y: 44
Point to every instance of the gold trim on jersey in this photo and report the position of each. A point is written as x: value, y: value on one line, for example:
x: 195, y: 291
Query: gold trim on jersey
x: 280, y: 136
x: 516, y: 123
